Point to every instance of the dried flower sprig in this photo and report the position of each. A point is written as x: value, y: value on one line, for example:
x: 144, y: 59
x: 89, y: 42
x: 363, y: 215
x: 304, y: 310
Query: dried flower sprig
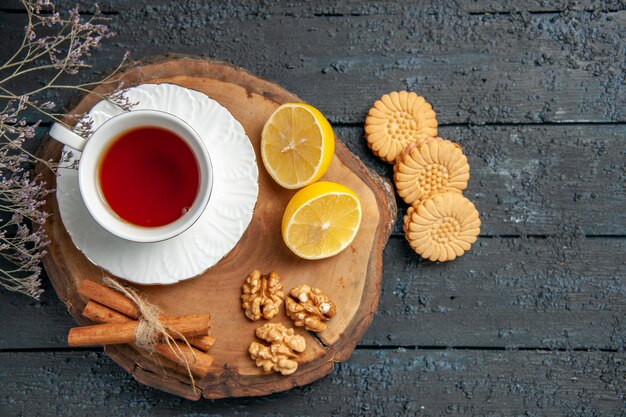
x: 56, y: 46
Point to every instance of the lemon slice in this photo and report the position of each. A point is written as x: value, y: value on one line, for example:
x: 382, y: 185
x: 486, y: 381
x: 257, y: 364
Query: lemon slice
x: 297, y: 145
x: 321, y: 220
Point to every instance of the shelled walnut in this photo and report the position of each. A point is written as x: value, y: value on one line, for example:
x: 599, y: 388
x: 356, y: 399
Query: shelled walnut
x: 308, y: 307
x: 262, y: 295
x: 279, y: 355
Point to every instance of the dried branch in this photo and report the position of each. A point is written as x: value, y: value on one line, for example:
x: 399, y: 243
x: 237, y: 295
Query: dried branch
x: 56, y: 46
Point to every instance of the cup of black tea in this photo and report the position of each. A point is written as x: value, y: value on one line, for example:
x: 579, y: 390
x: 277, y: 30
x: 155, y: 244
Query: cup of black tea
x: 144, y: 175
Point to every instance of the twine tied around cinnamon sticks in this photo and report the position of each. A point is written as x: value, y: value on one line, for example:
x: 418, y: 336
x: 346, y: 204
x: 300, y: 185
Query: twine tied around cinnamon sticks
x: 126, y: 317
x: 150, y: 329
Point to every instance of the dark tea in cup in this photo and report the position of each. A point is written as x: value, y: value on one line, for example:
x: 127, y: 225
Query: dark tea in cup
x: 149, y: 176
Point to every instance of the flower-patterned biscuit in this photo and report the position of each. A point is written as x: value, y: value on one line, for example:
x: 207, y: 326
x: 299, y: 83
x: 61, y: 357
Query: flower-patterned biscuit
x: 430, y: 139
x: 442, y: 227
x: 407, y: 219
x: 429, y: 169
x: 397, y: 119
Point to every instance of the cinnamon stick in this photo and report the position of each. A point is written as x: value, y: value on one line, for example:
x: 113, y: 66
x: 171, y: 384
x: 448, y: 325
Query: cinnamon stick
x: 198, y: 361
x: 109, y: 298
x: 202, y: 342
x: 103, y: 314
x: 99, y: 313
x: 119, y: 333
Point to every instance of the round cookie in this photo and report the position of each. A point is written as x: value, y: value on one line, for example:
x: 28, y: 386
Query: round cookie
x: 431, y: 168
x: 429, y: 139
x: 396, y: 120
x: 443, y: 227
x: 406, y: 220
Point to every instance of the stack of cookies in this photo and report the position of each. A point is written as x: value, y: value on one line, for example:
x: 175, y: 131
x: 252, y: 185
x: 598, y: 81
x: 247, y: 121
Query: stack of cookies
x: 430, y: 174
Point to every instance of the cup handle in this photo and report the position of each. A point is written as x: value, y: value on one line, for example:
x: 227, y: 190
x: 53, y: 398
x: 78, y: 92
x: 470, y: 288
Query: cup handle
x: 67, y: 137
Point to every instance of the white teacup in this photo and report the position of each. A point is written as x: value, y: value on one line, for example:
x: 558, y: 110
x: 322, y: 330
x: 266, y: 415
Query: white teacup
x: 93, y: 151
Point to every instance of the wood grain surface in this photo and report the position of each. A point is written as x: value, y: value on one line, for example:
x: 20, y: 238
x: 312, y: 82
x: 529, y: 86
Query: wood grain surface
x: 530, y: 322
x: 396, y: 382
x: 506, y: 293
x: 475, y: 67
x: 352, y: 278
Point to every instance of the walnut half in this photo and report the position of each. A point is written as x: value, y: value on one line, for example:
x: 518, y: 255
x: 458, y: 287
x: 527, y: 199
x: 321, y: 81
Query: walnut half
x: 262, y: 295
x: 279, y: 355
x: 308, y: 307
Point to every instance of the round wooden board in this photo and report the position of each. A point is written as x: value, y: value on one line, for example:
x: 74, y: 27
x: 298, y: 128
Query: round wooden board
x: 352, y: 279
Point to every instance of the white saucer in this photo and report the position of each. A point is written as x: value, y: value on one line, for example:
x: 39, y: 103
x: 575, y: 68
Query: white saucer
x: 216, y: 232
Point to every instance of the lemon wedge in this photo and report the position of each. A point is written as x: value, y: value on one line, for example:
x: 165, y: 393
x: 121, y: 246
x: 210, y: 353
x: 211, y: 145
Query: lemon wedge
x: 297, y: 145
x: 321, y: 220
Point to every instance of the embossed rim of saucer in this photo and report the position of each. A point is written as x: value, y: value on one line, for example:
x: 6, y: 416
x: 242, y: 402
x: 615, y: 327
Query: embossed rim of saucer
x: 216, y: 232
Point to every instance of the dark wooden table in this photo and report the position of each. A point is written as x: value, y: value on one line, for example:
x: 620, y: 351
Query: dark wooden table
x: 530, y: 322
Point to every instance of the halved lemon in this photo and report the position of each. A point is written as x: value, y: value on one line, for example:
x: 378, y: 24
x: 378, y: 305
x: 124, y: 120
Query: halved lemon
x: 321, y: 220
x: 297, y: 145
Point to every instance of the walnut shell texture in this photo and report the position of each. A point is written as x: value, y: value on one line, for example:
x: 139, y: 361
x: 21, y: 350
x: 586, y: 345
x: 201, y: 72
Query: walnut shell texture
x: 308, y: 307
x: 261, y: 295
x: 284, y: 346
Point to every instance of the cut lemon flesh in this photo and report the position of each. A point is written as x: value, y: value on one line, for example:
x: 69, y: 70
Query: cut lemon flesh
x: 297, y: 145
x: 321, y: 220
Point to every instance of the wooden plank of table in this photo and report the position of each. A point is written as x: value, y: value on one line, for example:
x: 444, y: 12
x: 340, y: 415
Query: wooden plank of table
x: 534, y: 180
x: 474, y: 69
x: 353, y: 7
x: 553, y: 293
x: 527, y: 293
x: 537, y: 6
x: 561, y: 291
x: 34, y: 323
x: 554, y: 180
x: 389, y: 382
